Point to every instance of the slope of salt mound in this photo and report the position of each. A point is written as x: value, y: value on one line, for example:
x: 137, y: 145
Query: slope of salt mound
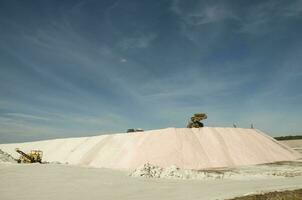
x: 196, y: 148
x: 6, y: 158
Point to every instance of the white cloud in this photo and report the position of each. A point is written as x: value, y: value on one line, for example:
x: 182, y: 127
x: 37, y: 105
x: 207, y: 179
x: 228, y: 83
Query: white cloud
x: 257, y: 19
x: 202, y: 14
x: 26, y: 116
x: 21, y: 126
x: 104, y: 120
x: 123, y: 60
x: 294, y: 9
x: 193, y: 20
x: 141, y: 41
x: 204, y: 85
x: 209, y: 14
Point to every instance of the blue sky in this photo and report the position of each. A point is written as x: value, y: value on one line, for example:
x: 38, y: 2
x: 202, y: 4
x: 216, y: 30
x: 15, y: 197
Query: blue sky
x: 87, y: 67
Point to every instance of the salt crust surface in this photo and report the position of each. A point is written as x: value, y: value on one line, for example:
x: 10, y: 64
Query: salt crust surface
x: 254, y: 172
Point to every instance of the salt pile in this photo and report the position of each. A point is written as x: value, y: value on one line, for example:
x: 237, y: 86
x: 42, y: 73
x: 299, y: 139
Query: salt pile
x: 240, y: 173
x: 6, y: 158
x: 173, y: 172
x: 196, y: 148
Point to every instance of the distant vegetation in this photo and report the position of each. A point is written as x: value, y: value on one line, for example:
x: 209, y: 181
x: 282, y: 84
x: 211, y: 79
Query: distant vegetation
x: 288, y: 194
x: 289, y: 137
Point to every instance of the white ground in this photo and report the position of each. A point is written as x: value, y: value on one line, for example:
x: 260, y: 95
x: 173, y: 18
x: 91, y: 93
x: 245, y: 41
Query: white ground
x: 295, y: 144
x: 56, y: 182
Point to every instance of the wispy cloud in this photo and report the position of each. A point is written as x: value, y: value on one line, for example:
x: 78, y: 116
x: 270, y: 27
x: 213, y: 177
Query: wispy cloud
x: 141, y: 41
x: 262, y: 17
x: 26, y: 116
x: 18, y: 126
x: 202, y: 14
x: 256, y: 19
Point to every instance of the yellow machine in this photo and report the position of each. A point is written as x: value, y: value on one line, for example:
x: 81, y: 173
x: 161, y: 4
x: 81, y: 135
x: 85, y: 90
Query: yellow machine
x: 33, y: 157
x: 195, y: 120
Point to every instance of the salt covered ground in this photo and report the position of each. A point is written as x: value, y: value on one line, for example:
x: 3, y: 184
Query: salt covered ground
x: 197, y: 148
x: 294, y: 144
x: 56, y: 182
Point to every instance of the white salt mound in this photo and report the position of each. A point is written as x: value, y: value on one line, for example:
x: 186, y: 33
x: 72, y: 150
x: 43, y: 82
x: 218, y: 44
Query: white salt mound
x: 196, y: 148
x: 173, y: 172
x: 240, y: 173
x: 6, y: 158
